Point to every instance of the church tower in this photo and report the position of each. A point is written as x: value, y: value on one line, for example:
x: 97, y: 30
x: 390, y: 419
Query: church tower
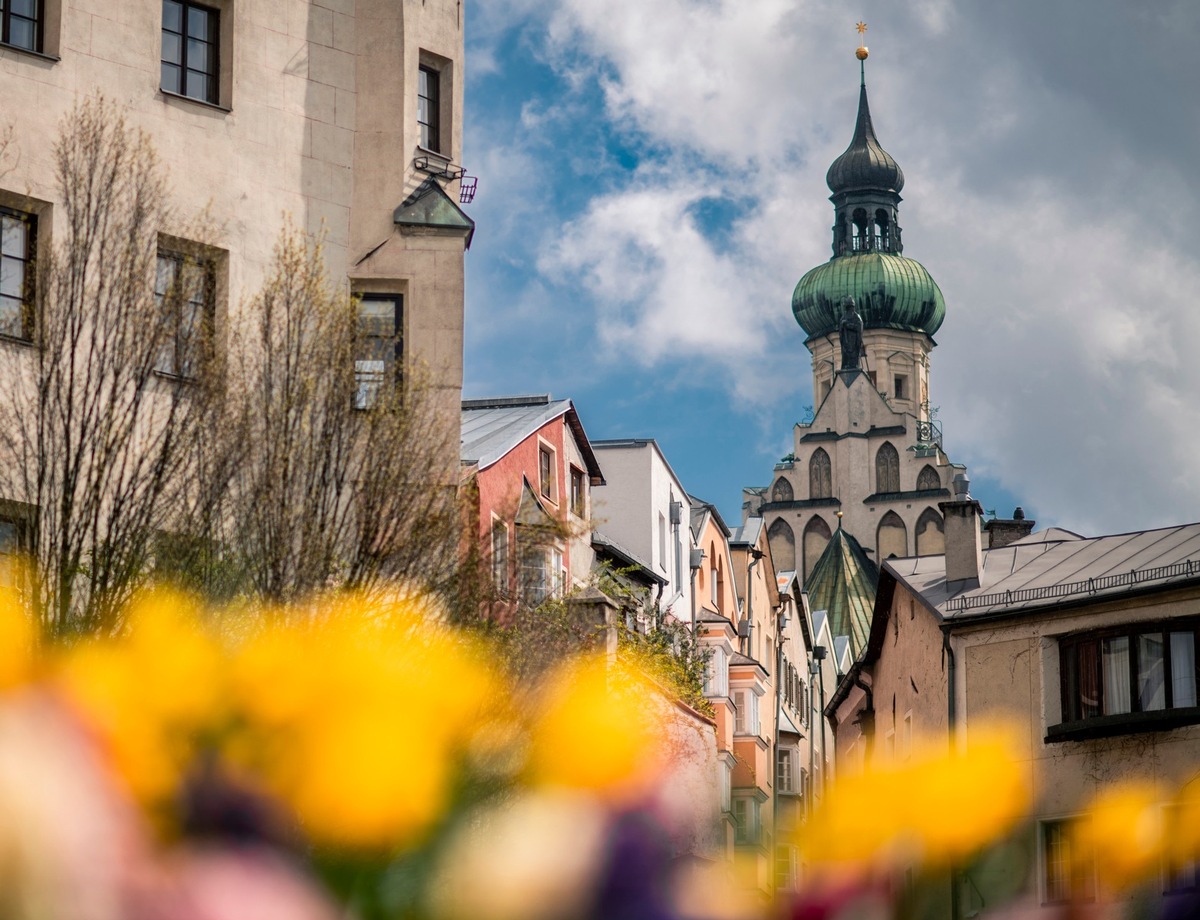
x: 870, y: 461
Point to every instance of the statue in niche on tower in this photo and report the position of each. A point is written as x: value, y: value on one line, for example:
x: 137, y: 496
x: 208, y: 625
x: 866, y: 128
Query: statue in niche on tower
x: 850, y: 334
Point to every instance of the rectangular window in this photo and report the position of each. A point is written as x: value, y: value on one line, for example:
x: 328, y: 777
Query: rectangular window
x: 500, y: 557
x: 190, y: 40
x: 783, y: 771
x: 546, y: 472
x: 745, y: 820
x: 535, y: 574
x: 901, y: 386
x: 21, y: 23
x: 1129, y: 671
x: 745, y: 721
x: 578, y: 496
x: 716, y: 674
x: 1067, y: 874
x: 184, y: 292
x: 18, y: 232
x: 14, y: 542
x: 379, y: 346
x: 726, y: 786
x: 429, y: 121
x: 662, y: 541
x: 787, y: 864
x: 557, y: 573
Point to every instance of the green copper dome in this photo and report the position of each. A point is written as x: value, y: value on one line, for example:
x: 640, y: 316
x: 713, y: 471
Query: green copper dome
x: 891, y: 291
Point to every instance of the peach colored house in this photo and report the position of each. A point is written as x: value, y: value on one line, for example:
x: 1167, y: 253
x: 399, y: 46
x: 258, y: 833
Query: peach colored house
x: 533, y: 470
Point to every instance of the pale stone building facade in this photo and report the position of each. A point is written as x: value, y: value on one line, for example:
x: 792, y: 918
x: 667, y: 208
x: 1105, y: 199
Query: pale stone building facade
x: 343, y: 117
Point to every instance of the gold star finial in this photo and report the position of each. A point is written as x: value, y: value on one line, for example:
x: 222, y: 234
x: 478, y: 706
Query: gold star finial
x: 861, y: 52
x: 862, y: 28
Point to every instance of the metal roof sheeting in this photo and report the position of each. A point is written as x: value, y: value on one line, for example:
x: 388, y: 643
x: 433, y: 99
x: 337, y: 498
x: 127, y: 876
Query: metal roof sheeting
x: 1035, y: 575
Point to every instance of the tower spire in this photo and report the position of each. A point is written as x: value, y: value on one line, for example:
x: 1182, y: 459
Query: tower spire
x: 862, y: 53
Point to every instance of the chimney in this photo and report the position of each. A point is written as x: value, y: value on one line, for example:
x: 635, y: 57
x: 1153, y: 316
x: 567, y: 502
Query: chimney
x: 1001, y: 532
x: 964, y: 556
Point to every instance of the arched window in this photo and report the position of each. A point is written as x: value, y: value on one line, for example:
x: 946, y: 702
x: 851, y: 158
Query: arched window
x: 859, y: 228
x: 782, y: 540
x: 782, y: 491
x: 928, y: 479
x: 882, y: 230
x: 931, y: 539
x: 816, y: 538
x: 718, y: 586
x: 887, y: 469
x: 892, y: 537
x: 820, y: 479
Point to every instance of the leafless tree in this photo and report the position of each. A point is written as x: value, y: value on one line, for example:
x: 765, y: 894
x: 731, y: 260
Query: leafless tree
x: 339, y: 479
x: 136, y: 441
x: 94, y: 436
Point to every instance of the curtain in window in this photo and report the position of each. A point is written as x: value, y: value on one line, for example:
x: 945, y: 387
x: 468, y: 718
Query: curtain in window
x: 1152, y: 689
x: 1183, y: 669
x: 1116, y: 676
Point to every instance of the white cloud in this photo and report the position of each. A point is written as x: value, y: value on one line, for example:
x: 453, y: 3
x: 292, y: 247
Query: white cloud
x: 1066, y: 365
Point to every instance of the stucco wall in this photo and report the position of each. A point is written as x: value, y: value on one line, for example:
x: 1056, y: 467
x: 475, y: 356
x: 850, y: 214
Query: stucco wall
x: 316, y: 124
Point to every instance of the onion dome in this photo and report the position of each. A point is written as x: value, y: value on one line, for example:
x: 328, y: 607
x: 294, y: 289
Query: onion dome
x: 890, y: 290
x: 864, y: 164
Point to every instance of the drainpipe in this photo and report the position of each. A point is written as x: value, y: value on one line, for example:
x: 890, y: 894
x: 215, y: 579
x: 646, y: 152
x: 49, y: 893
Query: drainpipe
x: 779, y: 621
x: 951, y: 712
x: 755, y: 556
x: 695, y: 562
x: 951, y: 718
x: 814, y: 668
x: 868, y: 715
x: 819, y: 652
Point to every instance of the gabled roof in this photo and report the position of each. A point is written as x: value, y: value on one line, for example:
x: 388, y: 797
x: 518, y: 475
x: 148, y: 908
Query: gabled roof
x: 1028, y: 577
x: 748, y: 533
x: 492, y: 427
x: 843, y: 583
x: 699, y: 508
x: 429, y: 206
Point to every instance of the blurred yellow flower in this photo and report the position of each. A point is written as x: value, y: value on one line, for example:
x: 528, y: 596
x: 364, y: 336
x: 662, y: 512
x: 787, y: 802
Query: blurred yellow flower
x: 1183, y: 830
x: 595, y: 729
x: 149, y: 693
x: 1123, y: 833
x: 939, y: 806
x: 18, y: 640
x: 357, y: 716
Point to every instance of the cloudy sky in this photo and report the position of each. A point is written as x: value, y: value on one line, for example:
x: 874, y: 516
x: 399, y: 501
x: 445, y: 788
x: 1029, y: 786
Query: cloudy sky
x: 652, y: 188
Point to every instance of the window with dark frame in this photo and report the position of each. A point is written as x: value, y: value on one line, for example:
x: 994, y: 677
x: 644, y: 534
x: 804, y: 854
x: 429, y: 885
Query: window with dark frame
x: 190, y: 41
x: 18, y: 235
x: 21, y: 23
x: 429, y: 120
x: 887, y: 469
x: 578, y: 496
x: 1134, y: 670
x: 379, y: 347
x: 184, y: 291
x: 546, y: 472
